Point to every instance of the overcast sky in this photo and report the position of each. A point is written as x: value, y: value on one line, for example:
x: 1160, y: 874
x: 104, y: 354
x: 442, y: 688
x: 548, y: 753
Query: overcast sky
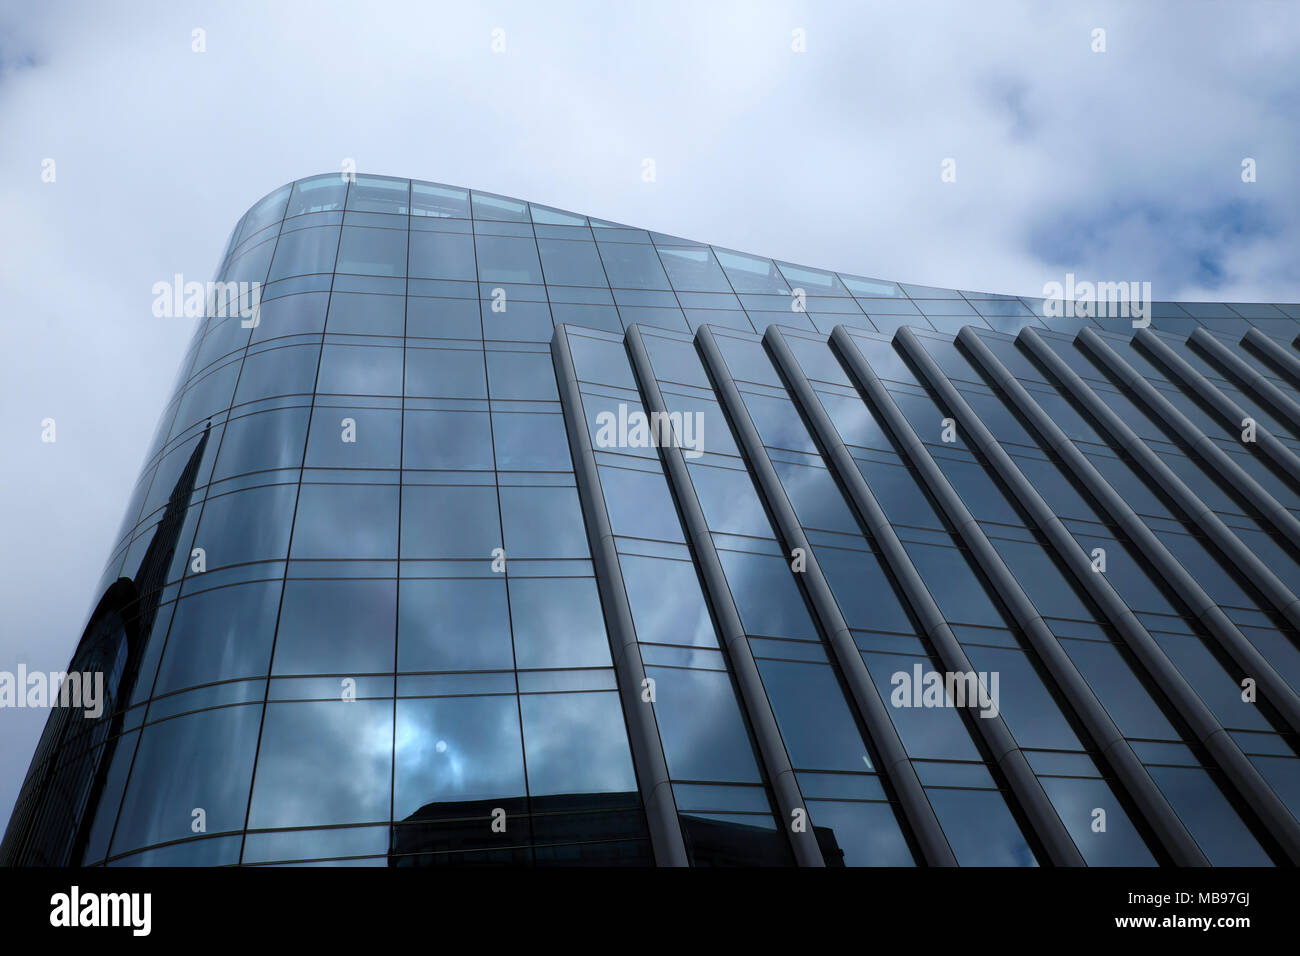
x: 1117, y: 165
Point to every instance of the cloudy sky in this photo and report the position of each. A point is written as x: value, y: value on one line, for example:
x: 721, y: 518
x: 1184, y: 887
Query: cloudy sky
x: 1117, y: 165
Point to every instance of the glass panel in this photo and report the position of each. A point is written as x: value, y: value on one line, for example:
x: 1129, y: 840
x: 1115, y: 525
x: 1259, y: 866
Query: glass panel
x: 221, y: 634
x: 576, y: 743
x: 200, y: 761
x: 345, y: 749
x: 456, y: 750
x: 449, y: 521
x: 336, y: 627
x: 453, y: 625
x: 346, y: 521
x: 558, y: 623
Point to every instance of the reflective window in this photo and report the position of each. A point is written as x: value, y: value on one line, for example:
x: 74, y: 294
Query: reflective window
x: 199, y: 760
x: 317, y: 194
x: 530, y: 442
x: 453, y: 625
x: 576, y: 743
x: 345, y: 750
x: 778, y: 424
x: 455, y: 750
x: 429, y: 199
x: 373, y: 252
x: 640, y: 505
x: 730, y: 503
x: 246, y: 526
x: 571, y: 263
x: 445, y: 373
x: 766, y: 595
x: 703, y: 732
x: 666, y: 601
x: 1209, y: 817
x: 336, y: 627
x: 305, y: 251
x: 346, y: 521
x: 521, y: 375
x: 935, y: 733
x: 543, y: 523
x: 815, y: 497
x: 1024, y: 702
x: 449, y: 521
x: 291, y: 315
x: 360, y: 370
x: 451, y: 440
x: 442, y: 255
x: 262, y: 442
x: 289, y: 370
x: 222, y: 634
x: 363, y: 314
x: 980, y: 828
x: 693, y: 269
x: 630, y: 266
x: 962, y: 596
x: 354, y: 438
x: 443, y: 318
x: 558, y: 623
x: 865, y: 595
x: 507, y: 259
x: 819, y: 730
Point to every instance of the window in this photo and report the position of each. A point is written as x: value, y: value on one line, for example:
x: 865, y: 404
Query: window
x: 354, y: 438
x: 693, y: 269
x: 639, y: 504
x: 543, y: 522
x: 245, y: 526
x: 442, y: 255
x: 199, y: 760
x: 571, y: 263
x: 445, y: 373
x: 816, y: 724
x: 345, y: 750
x: 632, y: 266
x: 507, y: 259
x: 456, y: 750
x: 305, y: 252
x: 447, y: 440
x: 521, y: 375
x: 360, y: 370
x: 666, y: 601
x: 336, y: 627
x: 703, y: 732
x: 530, y: 442
x: 363, y: 314
x: 346, y: 521
x: 374, y: 252
x: 453, y: 625
x: 222, y: 634
x: 729, y: 501
x: 766, y: 595
x: 558, y: 623
x: 576, y: 743
x: 450, y: 521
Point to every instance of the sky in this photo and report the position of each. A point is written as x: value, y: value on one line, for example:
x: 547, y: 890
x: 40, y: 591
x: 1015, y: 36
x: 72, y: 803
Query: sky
x: 815, y: 133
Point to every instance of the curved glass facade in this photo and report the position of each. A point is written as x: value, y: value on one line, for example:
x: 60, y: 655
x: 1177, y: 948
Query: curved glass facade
x: 496, y: 534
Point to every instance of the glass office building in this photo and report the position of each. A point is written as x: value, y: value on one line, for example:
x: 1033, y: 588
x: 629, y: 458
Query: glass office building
x: 501, y: 535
